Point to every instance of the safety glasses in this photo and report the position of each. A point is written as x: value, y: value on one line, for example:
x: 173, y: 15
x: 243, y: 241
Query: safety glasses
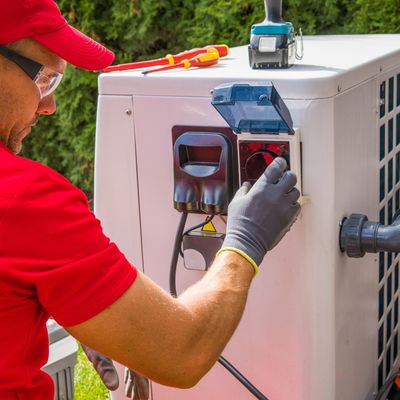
x: 44, y: 77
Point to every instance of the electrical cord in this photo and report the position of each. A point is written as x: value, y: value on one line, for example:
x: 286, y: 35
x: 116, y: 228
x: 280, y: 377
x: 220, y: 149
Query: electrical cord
x: 172, y: 288
x: 242, y: 379
x: 175, y: 254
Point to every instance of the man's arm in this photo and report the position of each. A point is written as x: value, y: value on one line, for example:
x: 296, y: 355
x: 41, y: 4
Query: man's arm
x: 176, y: 341
x: 172, y: 341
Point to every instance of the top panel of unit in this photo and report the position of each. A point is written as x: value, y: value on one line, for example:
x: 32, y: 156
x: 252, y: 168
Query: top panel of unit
x: 331, y: 64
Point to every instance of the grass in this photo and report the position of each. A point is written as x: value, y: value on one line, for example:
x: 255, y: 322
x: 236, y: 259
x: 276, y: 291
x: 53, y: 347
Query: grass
x: 88, y: 385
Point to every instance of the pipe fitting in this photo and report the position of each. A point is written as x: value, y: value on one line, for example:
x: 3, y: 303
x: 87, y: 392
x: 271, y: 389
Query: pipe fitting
x: 359, y: 236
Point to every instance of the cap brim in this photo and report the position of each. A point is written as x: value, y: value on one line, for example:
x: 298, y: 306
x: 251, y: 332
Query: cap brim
x: 76, y: 48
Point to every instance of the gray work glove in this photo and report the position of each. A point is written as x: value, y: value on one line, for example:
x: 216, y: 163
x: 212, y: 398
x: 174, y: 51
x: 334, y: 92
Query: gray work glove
x: 259, y: 216
x: 104, y: 367
x: 136, y: 385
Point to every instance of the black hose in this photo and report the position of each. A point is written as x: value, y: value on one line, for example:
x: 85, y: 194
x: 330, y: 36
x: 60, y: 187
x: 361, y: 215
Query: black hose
x: 175, y: 254
x: 242, y: 379
x: 172, y: 288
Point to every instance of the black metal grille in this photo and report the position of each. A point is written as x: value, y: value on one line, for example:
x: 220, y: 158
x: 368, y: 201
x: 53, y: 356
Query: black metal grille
x: 389, y: 203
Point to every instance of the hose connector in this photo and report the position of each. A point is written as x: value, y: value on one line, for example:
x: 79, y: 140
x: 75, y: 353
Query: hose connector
x: 359, y: 236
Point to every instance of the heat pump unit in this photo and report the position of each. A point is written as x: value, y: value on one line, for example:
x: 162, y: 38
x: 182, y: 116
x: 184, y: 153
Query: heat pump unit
x: 318, y: 325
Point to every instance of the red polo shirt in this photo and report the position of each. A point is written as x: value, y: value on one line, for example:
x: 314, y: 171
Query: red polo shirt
x: 54, y: 260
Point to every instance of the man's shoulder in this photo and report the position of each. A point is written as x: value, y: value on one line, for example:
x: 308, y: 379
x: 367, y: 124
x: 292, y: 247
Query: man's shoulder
x: 17, y: 173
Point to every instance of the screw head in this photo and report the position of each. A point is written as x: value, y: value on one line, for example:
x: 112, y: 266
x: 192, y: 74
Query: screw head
x: 128, y: 111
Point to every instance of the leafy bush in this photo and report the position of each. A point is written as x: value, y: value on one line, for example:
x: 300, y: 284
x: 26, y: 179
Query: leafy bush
x: 371, y: 16
x: 140, y: 29
x: 87, y: 384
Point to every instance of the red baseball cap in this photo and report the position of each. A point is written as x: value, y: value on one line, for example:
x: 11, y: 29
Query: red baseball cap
x: 42, y: 21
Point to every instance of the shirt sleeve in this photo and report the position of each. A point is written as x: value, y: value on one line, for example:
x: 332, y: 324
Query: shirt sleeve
x: 58, y: 248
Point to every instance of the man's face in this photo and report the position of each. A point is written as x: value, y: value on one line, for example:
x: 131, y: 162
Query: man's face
x: 20, y: 102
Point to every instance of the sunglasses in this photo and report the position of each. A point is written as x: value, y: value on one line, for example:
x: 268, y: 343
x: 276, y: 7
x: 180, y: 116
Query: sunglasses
x: 44, y: 77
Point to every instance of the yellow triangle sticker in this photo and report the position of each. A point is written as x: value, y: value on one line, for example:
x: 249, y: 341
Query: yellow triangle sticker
x: 209, y: 227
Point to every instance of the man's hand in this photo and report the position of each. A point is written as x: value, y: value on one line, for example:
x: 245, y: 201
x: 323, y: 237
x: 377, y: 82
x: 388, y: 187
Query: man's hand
x: 136, y: 385
x: 104, y: 367
x: 259, y: 216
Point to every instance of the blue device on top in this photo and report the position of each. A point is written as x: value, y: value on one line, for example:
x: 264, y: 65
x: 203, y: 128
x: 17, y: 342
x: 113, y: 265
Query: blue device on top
x: 273, y: 41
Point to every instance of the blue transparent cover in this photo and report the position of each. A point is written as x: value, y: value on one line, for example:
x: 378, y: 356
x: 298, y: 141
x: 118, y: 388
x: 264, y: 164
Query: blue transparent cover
x: 254, y: 107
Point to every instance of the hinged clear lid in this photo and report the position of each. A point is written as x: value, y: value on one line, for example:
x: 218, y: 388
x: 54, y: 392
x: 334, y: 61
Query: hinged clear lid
x: 253, y: 107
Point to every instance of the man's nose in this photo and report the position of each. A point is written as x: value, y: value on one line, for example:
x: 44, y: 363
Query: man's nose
x: 47, y: 105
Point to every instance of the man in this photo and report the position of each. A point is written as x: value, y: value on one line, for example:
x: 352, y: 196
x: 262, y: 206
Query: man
x: 55, y: 260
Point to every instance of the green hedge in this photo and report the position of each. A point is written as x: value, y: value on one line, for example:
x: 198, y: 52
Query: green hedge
x: 140, y: 29
x: 87, y: 383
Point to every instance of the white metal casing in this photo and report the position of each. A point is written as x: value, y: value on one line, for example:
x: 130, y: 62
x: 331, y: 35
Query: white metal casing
x: 310, y: 329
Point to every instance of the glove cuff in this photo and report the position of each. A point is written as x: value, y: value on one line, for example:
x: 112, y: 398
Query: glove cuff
x: 241, y: 253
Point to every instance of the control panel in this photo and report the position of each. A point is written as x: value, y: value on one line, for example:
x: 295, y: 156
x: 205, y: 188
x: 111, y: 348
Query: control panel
x: 256, y: 152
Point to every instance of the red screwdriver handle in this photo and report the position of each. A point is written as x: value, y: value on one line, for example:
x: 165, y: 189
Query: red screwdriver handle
x: 169, y: 59
x: 202, y: 60
x: 184, y: 55
x: 222, y: 50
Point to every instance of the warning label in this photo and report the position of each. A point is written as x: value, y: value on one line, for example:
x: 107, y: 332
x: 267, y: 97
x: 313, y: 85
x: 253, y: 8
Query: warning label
x: 209, y: 227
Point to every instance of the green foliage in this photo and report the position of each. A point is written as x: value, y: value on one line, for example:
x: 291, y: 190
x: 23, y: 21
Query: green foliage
x: 223, y: 21
x: 87, y: 384
x: 141, y: 29
x: 373, y: 16
x: 315, y: 16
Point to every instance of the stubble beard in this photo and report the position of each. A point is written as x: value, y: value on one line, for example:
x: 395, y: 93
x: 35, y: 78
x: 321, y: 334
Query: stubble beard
x: 15, y: 141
